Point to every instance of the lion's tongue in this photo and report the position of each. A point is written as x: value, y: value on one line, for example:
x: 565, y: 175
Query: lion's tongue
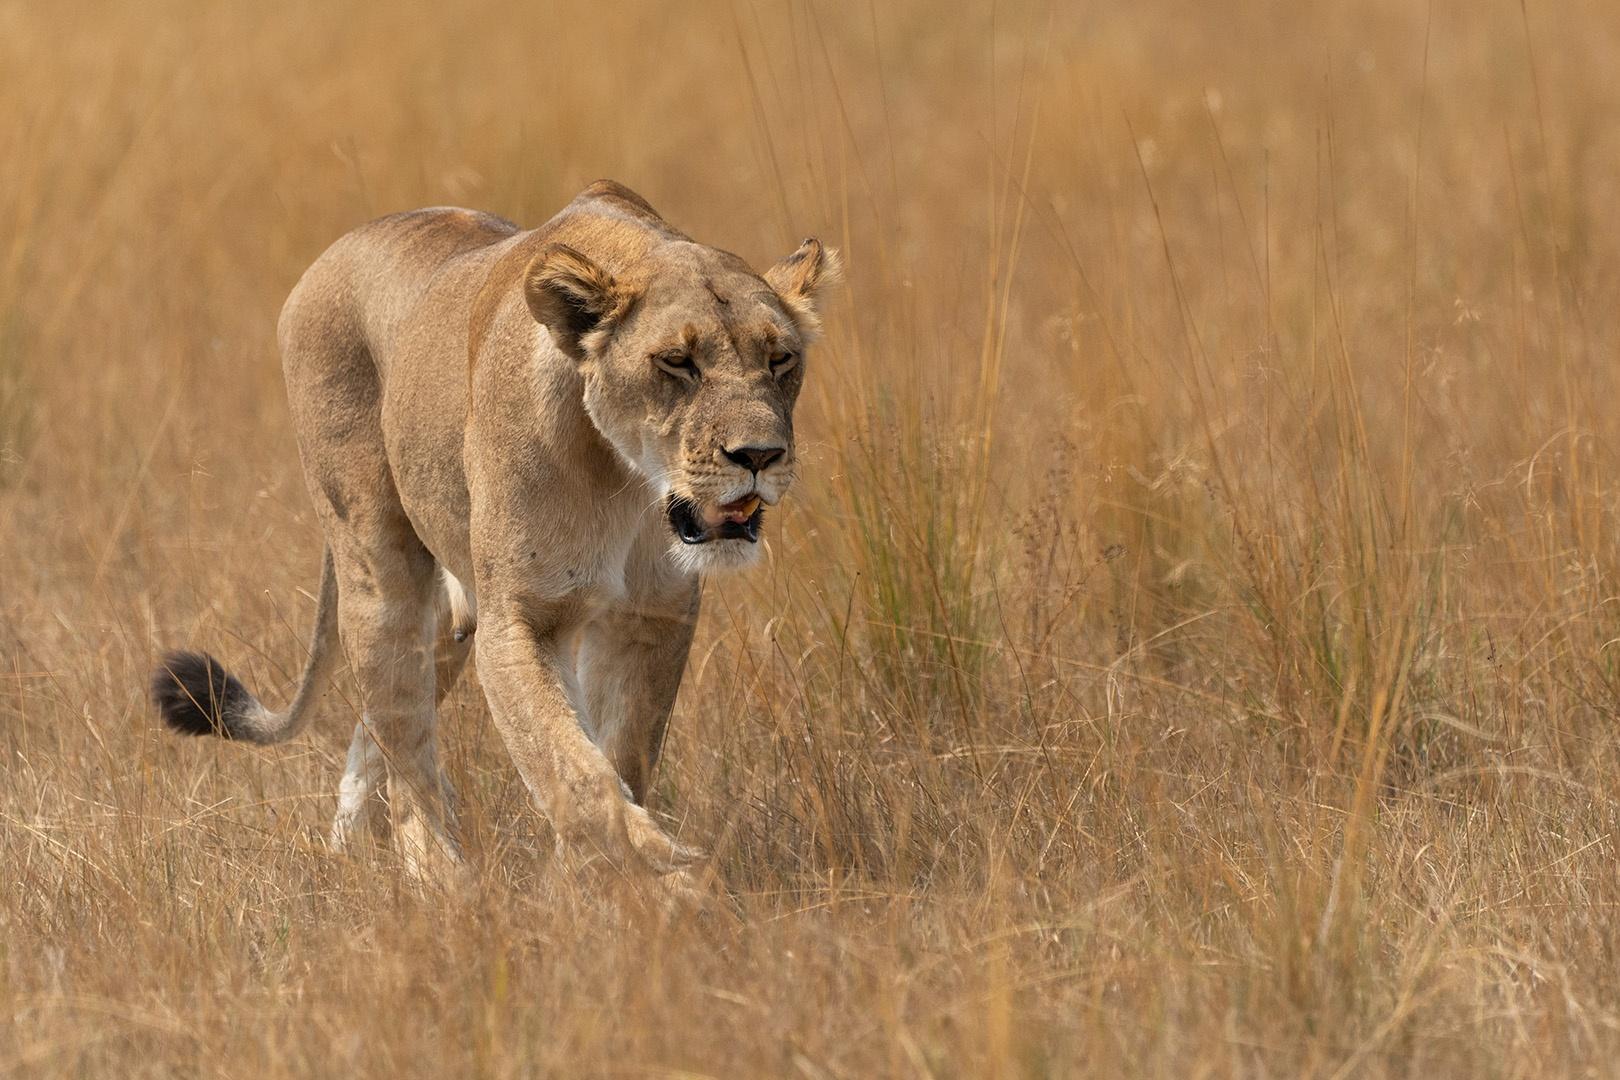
x: 738, y: 512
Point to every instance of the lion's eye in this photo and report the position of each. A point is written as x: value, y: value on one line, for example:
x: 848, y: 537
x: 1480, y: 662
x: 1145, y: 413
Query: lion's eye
x: 677, y: 362
x: 782, y: 361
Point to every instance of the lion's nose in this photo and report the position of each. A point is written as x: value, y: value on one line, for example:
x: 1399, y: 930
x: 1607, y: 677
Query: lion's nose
x: 754, y: 458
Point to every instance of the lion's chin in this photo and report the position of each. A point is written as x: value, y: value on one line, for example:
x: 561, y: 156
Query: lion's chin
x: 715, y: 556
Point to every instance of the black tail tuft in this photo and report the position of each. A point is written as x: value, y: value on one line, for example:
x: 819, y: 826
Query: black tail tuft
x: 197, y: 696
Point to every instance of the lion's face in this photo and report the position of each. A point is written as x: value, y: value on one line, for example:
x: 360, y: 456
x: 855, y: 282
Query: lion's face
x: 692, y: 377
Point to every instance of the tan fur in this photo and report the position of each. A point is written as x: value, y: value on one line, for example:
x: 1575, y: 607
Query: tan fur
x: 480, y: 401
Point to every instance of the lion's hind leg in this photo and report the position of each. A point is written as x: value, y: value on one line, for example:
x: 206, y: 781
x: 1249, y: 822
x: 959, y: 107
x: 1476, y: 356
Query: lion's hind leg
x: 386, y: 619
x: 362, y: 808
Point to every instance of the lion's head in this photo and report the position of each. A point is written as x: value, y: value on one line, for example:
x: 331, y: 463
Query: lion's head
x: 691, y: 372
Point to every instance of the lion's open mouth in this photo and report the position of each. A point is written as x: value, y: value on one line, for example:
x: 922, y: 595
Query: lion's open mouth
x: 696, y: 524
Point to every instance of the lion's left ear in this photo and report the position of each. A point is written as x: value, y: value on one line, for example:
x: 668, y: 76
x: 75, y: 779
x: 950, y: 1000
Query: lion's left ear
x: 803, y: 278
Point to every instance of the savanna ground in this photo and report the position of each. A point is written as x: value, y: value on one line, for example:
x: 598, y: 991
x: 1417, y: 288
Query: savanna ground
x: 1191, y: 651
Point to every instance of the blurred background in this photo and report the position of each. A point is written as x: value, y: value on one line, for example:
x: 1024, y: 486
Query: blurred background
x: 1189, y: 650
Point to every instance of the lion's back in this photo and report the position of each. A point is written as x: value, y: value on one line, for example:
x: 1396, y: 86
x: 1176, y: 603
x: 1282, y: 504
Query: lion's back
x: 365, y: 285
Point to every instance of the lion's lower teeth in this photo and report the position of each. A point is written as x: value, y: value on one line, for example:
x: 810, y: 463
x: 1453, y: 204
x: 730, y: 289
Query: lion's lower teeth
x: 733, y: 512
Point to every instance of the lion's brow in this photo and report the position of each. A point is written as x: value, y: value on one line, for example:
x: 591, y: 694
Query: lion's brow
x: 769, y: 298
x: 708, y: 283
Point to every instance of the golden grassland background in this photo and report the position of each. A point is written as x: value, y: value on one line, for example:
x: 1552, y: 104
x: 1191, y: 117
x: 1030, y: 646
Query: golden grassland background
x: 1192, y: 650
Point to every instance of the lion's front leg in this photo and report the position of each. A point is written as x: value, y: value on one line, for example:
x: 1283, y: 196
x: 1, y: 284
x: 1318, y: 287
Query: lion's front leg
x: 521, y: 667
x: 630, y: 664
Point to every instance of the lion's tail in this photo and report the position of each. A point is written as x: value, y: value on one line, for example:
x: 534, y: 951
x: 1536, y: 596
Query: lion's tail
x: 197, y: 696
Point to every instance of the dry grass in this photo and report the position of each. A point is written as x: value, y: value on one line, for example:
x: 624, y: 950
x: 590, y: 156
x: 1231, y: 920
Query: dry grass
x: 1190, y: 653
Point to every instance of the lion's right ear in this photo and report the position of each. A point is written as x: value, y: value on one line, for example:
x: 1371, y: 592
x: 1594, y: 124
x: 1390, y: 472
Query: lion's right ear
x: 572, y: 297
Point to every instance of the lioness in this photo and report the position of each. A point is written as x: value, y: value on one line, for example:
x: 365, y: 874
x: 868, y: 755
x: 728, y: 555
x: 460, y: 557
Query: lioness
x: 535, y: 441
